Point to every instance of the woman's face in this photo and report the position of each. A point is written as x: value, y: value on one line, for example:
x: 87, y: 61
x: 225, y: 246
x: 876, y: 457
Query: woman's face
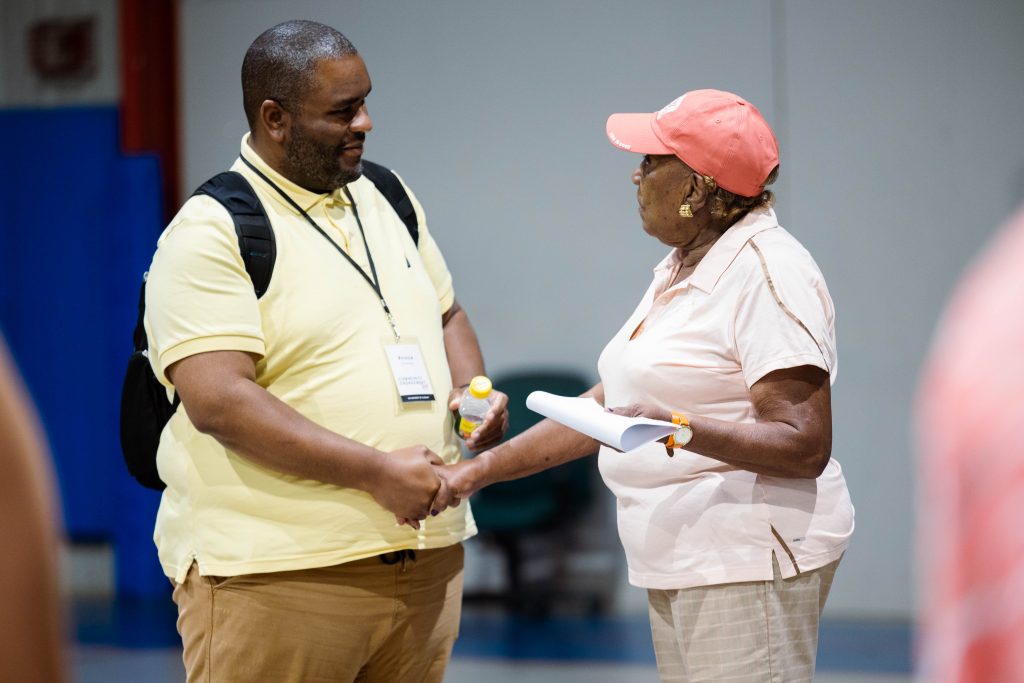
x: 662, y: 181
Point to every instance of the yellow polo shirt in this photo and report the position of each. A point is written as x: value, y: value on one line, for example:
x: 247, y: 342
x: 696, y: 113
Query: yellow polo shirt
x: 320, y: 333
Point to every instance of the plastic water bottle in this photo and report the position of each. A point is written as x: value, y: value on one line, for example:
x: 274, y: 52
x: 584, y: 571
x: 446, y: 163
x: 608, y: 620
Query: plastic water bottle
x: 476, y: 401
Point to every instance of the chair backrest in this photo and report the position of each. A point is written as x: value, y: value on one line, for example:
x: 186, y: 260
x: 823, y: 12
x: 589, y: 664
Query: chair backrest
x: 543, y: 499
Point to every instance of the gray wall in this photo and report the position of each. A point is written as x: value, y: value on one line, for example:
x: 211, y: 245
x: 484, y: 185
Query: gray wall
x: 901, y: 129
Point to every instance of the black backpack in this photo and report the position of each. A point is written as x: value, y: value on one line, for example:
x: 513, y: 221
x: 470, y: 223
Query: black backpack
x: 144, y: 405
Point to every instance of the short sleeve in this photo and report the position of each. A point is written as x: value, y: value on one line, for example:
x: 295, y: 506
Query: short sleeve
x: 199, y: 297
x: 431, y: 256
x: 784, y: 316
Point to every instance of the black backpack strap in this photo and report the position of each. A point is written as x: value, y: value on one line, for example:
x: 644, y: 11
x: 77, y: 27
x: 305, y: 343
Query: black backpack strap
x: 139, y: 337
x: 391, y: 187
x: 255, y: 235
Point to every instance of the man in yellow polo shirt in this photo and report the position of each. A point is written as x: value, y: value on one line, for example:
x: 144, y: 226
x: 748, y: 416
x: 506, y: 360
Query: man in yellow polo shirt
x: 299, y: 443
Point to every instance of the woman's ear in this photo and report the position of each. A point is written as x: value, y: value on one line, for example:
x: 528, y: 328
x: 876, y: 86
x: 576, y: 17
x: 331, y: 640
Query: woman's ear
x: 695, y: 191
x: 275, y: 120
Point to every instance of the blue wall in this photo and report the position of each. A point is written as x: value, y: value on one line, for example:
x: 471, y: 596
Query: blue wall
x: 78, y: 225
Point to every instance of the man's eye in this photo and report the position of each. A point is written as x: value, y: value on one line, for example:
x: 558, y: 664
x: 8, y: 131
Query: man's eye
x: 348, y: 112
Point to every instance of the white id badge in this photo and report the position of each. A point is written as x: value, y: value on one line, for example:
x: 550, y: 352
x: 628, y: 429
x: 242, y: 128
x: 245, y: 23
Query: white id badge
x: 410, y: 372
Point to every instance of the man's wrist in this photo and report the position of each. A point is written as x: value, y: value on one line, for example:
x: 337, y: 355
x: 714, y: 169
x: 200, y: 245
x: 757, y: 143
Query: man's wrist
x: 372, y: 473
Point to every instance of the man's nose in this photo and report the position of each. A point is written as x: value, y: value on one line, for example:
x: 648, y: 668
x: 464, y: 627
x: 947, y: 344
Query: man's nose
x: 362, y: 123
x: 636, y: 176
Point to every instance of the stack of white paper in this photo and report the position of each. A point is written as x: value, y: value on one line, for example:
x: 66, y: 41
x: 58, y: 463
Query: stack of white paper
x: 586, y: 415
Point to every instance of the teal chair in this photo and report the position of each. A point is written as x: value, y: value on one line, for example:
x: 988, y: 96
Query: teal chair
x: 511, y: 514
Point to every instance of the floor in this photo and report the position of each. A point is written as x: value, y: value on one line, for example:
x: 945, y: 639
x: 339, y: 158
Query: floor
x: 136, y: 641
x: 102, y: 664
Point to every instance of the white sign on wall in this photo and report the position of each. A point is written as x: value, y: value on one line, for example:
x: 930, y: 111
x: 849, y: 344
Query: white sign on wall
x: 60, y: 54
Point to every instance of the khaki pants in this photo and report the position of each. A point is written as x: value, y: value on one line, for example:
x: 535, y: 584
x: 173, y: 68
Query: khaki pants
x: 391, y: 618
x: 753, y: 632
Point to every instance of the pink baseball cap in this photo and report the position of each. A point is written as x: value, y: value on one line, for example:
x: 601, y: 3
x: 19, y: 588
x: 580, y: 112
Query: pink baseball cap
x: 715, y: 133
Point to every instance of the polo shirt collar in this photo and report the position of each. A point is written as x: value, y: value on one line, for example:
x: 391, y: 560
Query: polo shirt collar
x: 721, y: 255
x: 303, y: 197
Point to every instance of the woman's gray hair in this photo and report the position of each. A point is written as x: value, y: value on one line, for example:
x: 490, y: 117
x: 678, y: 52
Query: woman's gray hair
x: 731, y: 207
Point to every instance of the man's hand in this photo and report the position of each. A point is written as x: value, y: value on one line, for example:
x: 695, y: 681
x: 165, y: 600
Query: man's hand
x: 458, y: 481
x: 494, y: 426
x: 406, y: 484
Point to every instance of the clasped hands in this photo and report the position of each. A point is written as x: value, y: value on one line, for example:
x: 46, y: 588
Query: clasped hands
x: 460, y: 480
x: 420, y: 483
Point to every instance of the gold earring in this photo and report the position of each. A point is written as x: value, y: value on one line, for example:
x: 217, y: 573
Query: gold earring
x: 685, y: 211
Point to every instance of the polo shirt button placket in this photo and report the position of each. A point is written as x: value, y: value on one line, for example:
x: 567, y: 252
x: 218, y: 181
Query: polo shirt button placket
x: 333, y: 203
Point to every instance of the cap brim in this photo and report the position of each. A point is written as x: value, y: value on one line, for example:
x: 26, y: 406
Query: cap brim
x: 633, y: 133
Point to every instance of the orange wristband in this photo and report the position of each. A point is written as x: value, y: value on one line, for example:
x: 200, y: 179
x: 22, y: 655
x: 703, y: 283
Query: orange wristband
x: 682, y: 421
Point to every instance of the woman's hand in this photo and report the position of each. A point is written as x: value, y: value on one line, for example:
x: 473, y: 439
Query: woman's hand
x: 463, y: 479
x: 642, y: 410
x: 458, y: 481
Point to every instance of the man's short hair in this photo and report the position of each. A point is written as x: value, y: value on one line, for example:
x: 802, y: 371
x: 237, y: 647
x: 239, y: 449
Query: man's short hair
x: 280, y: 64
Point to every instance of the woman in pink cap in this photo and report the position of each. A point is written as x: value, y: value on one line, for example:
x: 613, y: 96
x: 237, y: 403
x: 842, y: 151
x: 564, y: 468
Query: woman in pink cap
x: 736, y: 525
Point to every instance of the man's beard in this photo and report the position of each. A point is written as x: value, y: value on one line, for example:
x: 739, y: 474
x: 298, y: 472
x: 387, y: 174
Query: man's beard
x: 315, y: 166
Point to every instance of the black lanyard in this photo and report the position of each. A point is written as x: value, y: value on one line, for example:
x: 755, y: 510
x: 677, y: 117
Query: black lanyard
x: 374, y: 281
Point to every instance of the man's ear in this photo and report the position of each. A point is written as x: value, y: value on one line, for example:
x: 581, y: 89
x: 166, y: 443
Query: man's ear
x: 276, y: 120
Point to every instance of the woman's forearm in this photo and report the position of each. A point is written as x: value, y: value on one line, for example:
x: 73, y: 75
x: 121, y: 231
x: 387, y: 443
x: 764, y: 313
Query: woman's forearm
x: 546, y: 445
x: 793, y: 433
x: 774, y: 449
x: 791, y: 438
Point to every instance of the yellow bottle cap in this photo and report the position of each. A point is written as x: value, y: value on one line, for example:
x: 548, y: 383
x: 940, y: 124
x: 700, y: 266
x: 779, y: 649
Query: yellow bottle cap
x: 480, y: 386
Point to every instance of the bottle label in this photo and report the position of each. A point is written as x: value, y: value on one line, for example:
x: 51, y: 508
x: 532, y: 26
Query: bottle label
x: 466, y: 426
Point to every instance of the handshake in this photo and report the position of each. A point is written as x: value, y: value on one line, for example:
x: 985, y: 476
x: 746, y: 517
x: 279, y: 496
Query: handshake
x: 414, y: 482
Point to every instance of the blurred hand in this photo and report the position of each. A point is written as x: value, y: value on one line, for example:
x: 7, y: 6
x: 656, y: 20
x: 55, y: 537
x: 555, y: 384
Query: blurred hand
x: 494, y: 426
